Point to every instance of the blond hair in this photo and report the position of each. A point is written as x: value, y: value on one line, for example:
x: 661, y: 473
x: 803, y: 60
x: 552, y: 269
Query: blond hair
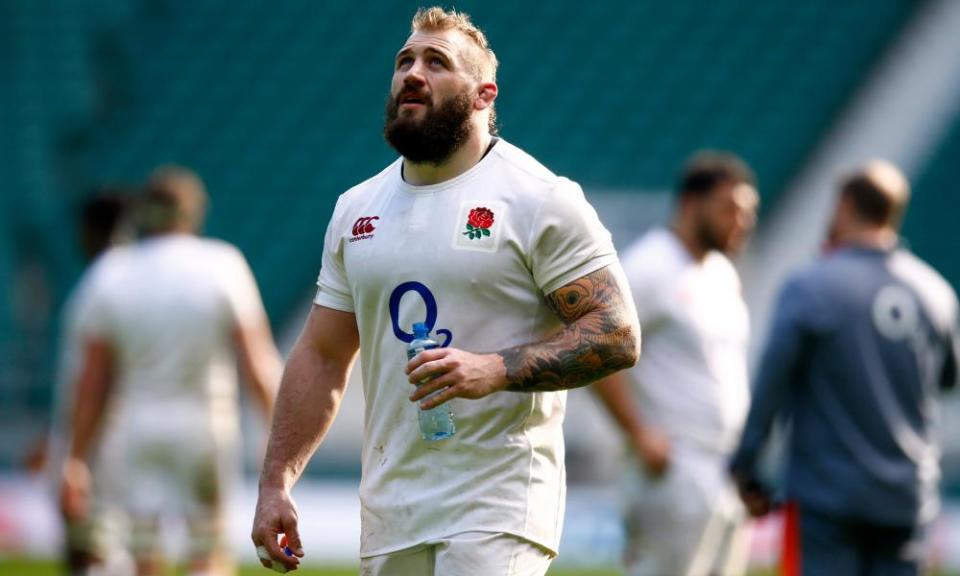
x: 174, y: 198
x: 879, y: 192
x: 438, y: 19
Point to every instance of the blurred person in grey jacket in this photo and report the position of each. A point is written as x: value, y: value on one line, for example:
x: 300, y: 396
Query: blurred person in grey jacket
x: 862, y: 342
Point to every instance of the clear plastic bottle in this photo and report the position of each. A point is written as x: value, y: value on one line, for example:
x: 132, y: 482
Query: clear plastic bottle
x: 436, y: 423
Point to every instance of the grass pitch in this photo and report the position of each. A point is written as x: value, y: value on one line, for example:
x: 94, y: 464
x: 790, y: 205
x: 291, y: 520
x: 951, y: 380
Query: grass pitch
x: 24, y: 567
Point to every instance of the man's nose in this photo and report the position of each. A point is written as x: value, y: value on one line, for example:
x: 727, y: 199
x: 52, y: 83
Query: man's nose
x: 415, y: 75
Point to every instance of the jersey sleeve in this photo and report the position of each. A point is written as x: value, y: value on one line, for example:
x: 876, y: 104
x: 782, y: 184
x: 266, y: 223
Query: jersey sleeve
x: 333, y: 288
x: 243, y: 296
x: 776, y: 375
x: 950, y: 376
x: 90, y: 311
x: 567, y: 239
x: 646, y: 291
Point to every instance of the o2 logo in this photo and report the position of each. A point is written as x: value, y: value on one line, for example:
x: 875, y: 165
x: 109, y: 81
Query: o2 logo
x: 429, y: 302
x: 895, y: 313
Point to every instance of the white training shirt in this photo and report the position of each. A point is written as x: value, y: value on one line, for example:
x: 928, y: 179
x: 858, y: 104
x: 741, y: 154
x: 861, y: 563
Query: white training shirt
x: 70, y: 355
x: 167, y: 306
x: 691, y: 380
x: 396, y: 254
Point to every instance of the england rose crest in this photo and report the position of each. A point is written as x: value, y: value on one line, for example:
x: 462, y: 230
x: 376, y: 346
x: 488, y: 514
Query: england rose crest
x: 479, y: 223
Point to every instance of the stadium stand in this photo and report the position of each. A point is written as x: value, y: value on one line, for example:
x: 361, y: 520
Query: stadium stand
x: 930, y: 225
x: 279, y: 107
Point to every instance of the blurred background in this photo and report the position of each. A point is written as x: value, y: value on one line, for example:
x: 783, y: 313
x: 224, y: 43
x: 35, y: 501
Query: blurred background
x: 279, y: 107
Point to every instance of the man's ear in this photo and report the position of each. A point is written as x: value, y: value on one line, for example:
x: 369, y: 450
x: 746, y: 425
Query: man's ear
x: 486, y: 94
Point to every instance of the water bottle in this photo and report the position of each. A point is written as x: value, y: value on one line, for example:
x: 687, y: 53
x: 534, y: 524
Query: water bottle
x: 436, y: 423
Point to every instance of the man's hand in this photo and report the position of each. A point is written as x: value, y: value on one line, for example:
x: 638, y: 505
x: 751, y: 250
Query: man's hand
x: 755, y: 496
x: 653, y: 449
x: 460, y: 374
x: 277, y: 514
x: 75, y: 490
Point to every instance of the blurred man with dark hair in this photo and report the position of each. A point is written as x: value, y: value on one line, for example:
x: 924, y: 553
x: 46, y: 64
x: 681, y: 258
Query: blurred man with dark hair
x: 862, y: 341
x: 165, y: 317
x: 103, y: 219
x: 683, y: 405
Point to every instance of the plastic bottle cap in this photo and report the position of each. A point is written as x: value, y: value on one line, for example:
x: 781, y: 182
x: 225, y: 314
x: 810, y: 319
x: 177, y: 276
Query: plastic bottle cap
x: 420, y: 330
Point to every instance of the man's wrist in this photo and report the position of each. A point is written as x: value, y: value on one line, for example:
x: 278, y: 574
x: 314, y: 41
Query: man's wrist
x: 500, y: 380
x: 76, y: 469
x: 275, y: 478
x: 640, y: 435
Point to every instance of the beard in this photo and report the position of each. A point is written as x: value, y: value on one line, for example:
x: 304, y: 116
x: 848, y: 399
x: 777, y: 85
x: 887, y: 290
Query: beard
x: 434, y: 138
x: 710, y: 239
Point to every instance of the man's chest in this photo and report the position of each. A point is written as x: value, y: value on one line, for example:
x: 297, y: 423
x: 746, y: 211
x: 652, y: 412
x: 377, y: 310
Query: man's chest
x: 708, y: 311
x: 447, y: 238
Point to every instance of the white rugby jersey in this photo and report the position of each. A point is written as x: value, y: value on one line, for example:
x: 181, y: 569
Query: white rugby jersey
x: 396, y: 254
x: 691, y: 380
x: 167, y: 306
x: 70, y: 355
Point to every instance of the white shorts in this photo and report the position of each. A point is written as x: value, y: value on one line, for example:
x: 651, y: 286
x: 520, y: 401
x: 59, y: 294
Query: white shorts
x: 172, y: 471
x: 689, y: 522
x: 464, y: 554
x: 104, y: 531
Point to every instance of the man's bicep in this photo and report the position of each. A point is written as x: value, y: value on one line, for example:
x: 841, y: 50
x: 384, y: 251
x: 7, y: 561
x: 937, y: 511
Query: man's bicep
x: 602, y: 294
x: 97, y: 364
x: 601, y: 336
x: 331, y: 333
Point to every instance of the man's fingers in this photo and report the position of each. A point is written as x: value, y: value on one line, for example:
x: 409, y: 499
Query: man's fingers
x: 431, y: 386
x: 271, y: 553
x: 444, y: 395
x: 272, y: 563
x: 290, y: 534
x: 293, y: 542
x: 426, y: 356
x: 657, y: 468
x: 757, y: 504
x: 272, y: 556
x: 429, y: 371
x: 269, y: 542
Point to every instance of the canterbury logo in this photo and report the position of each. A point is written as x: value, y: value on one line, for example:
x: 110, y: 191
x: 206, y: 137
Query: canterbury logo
x: 363, y: 228
x: 364, y: 225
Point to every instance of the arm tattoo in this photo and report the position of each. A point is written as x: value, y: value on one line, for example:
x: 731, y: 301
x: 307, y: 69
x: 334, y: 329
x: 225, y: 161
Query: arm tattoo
x: 599, y: 339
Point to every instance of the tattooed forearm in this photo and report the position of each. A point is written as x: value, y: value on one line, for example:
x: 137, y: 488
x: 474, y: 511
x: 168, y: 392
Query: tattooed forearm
x: 600, y: 338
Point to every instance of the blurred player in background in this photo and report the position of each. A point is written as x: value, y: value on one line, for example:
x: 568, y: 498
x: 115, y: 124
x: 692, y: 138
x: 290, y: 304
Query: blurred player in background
x: 862, y: 341
x: 510, y: 265
x: 683, y: 405
x: 164, y: 319
x: 103, y: 222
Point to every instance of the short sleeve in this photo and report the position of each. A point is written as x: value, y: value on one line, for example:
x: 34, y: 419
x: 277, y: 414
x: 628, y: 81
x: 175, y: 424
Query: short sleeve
x: 647, y: 298
x: 243, y: 296
x: 333, y: 289
x: 567, y: 240
x: 88, y: 316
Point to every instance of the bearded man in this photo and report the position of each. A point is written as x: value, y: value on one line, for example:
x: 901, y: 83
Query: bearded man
x: 684, y: 404
x: 509, y: 265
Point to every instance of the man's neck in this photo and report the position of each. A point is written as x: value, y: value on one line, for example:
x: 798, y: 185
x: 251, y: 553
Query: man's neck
x: 169, y: 233
x: 687, y: 238
x: 872, y: 238
x: 465, y: 158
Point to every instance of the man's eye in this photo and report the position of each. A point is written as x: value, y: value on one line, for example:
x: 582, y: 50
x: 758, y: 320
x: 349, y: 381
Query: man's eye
x: 405, y: 61
x: 436, y: 61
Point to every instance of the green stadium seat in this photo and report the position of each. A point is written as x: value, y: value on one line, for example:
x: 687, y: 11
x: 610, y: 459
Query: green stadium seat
x: 279, y: 106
